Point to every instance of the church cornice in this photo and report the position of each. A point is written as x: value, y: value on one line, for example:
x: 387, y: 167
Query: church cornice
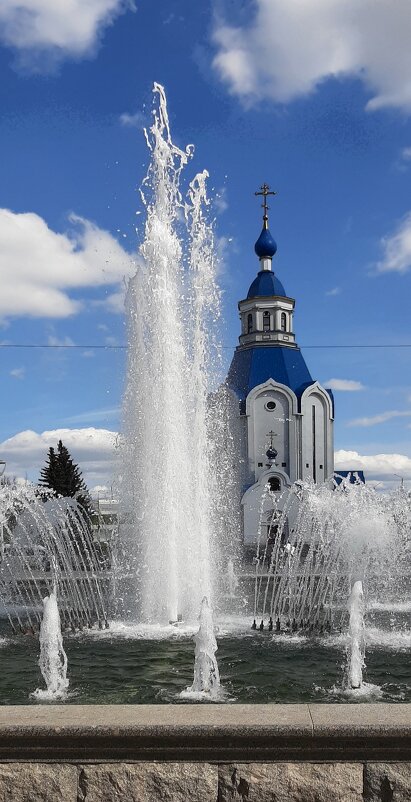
x: 265, y: 341
x: 265, y: 300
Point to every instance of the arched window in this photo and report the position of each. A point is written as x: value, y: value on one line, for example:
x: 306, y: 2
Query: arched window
x: 249, y: 323
x: 266, y: 321
x: 283, y: 321
x: 274, y: 483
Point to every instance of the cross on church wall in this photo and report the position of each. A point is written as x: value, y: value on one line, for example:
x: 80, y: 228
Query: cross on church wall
x: 271, y: 435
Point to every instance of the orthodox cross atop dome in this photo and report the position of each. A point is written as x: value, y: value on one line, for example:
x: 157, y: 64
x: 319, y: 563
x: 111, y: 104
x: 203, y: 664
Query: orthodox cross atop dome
x: 265, y: 247
x: 271, y: 451
x: 264, y: 192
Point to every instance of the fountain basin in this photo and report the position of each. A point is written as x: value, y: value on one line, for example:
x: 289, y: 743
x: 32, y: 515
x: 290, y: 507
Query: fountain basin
x: 133, y: 664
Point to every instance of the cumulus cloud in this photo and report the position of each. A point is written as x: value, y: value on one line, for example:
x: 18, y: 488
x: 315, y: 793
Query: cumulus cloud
x: 291, y: 46
x: 59, y: 28
x: 334, y: 291
x: 346, y: 385
x: 39, y: 267
x: 377, y: 466
x: 383, y: 417
x: 397, y: 249
x: 93, y: 449
x: 18, y: 373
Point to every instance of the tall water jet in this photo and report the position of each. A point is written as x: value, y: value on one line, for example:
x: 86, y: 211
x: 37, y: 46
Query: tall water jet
x: 206, y: 682
x: 53, y: 659
x: 167, y: 482
x: 356, y: 645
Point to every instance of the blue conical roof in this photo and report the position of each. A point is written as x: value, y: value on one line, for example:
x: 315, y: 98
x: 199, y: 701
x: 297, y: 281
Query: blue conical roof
x: 266, y: 284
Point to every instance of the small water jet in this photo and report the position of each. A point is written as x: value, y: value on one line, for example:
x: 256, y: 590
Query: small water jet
x: 356, y: 648
x: 232, y: 581
x: 206, y: 682
x: 53, y: 659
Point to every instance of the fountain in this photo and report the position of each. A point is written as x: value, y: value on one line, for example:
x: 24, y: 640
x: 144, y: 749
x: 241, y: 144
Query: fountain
x: 206, y: 683
x: 46, y: 545
x: 170, y: 545
x: 356, y: 633
x: 178, y: 545
x: 53, y: 659
x: 340, y: 531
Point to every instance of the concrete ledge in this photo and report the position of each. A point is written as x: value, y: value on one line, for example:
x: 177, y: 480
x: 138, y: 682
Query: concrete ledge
x: 205, y: 733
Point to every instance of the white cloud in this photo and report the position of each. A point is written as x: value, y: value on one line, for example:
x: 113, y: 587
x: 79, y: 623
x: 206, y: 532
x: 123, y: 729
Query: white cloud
x: 93, y: 450
x: 58, y: 27
x: 220, y: 202
x: 39, y: 267
x: 403, y: 161
x: 381, y: 418
x: 115, y: 301
x: 136, y: 120
x: 291, y: 46
x: 18, y: 373
x: 334, y: 291
x: 406, y: 154
x: 346, y: 385
x: 397, y: 249
x: 57, y: 342
x: 99, y: 490
x: 377, y: 466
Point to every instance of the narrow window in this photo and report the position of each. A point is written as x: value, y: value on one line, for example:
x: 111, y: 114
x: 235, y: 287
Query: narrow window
x: 266, y: 321
x: 314, y: 445
x: 249, y: 323
x: 283, y: 321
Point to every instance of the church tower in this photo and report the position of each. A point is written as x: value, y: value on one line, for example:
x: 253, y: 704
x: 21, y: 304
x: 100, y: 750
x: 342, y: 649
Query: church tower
x: 285, y: 416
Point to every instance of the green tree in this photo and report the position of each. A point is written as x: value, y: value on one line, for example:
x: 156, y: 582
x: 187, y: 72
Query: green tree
x: 64, y: 477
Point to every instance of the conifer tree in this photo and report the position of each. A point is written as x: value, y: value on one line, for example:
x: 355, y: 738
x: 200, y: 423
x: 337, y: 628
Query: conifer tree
x: 63, y: 476
x: 49, y: 474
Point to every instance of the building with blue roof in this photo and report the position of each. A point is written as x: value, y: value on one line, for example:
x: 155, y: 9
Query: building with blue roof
x: 285, y: 417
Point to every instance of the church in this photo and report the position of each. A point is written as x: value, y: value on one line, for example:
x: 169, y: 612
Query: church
x: 285, y: 417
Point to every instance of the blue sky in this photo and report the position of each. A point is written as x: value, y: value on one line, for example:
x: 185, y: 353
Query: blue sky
x: 312, y: 97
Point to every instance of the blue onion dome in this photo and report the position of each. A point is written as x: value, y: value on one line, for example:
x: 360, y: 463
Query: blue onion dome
x: 271, y: 453
x: 265, y: 245
x: 265, y: 284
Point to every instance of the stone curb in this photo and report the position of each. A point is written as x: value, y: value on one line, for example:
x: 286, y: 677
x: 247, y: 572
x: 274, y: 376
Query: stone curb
x: 205, y: 733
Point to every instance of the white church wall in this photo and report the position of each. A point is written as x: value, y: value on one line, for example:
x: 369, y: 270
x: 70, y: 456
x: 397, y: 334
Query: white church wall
x: 258, y: 506
x: 317, y: 434
x: 280, y: 419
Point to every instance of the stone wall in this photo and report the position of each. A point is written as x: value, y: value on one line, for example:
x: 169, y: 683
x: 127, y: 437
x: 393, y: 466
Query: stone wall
x: 206, y: 753
x: 205, y: 782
